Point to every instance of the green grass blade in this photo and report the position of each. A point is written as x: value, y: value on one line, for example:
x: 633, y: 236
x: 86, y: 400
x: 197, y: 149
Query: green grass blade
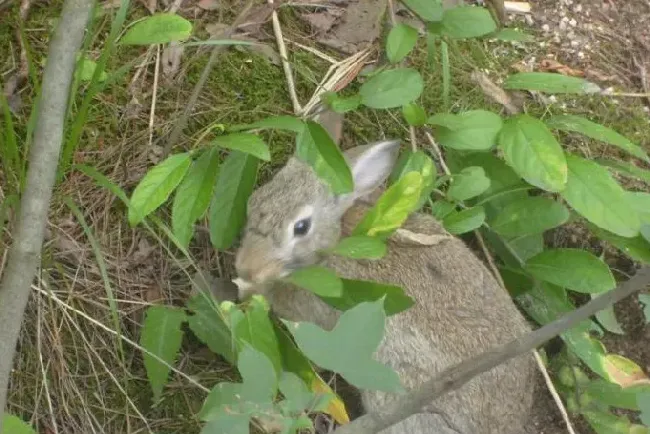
x: 9, y: 153
x: 446, y: 74
x: 101, y: 263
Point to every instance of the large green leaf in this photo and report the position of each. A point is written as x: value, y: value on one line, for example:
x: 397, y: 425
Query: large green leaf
x: 260, y: 381
x: 574, y: 269
x: 358, y: 291
x: 193, y: 195
x: 160, y: 28
x: 593, y: 193
x: 533, y: 152
x: 361, y: 247
x: 228, y: 423
x: 607, y: 318
x: 15, y: 425
x: 392, y: 208
x: 349, y: 347
x: 245, y: 142
x: 235, y: 184
x: 162, y: 336
x: 549, y: 82
x: 428, y: 10
x: 317, y: 279
x: 529, y: 215
x: 316, y: 148
x: 392, y: 88
x: 341, y: 104
x: 156, y: 186
x: 513, y: 35
x: 467, y: 22
x: 638, y: 248
x: 459, y: 222
x: 256, y: 328
x: 469, y: 183
x: 596, y: 131
x: 401, y: 40
x: 414, y: 114
x: 643, y: 401
x: 611, y: 394
x: 471, y: 130
x: 208, y: 324
x: 420, y: 162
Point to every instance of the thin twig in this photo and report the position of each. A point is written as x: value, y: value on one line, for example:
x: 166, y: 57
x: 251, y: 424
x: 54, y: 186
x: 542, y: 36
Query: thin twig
x: 286, y: 66
x: 414, y: 144
x: 438, y: 153
x: 182, y: 120
x: 152, y: 113
x: 44, y: 154
x: 456, y: 376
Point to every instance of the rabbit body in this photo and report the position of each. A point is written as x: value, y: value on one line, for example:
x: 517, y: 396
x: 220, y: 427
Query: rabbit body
x: 460, y: 310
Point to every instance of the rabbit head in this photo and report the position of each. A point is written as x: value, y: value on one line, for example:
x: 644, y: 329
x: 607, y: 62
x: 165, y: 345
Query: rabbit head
x: 295, y: 216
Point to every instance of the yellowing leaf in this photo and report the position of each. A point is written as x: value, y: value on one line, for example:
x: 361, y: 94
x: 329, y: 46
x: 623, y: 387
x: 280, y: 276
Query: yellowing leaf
x: 336, y: 407
x: 624, y: 371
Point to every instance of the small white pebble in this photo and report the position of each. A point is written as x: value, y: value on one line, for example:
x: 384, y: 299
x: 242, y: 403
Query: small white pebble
x: 578, y: 8
x: 546, y: 27
x: 563, y: 25
x: 552, y: 98
x: 574, y: 43
x: 581, y: 54
x: 529, y: 19
x: 573, y: 22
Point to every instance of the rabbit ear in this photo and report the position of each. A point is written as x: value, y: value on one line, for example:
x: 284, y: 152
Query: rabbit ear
x: 371, y: 167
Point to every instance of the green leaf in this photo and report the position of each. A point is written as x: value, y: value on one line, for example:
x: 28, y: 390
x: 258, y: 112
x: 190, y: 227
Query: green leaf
x: 420, y: 162
x: 595, y: 195
x: 534, y: 153
x: 349, y: 347
x: 637, y: 248
x: 640, y: 201
x: 579, y: 124
x: 459, y: 222
x: 256, y: 328
x: 469, y: 183
x: 441, y: 209
x: 317, y: 279
x: 235, y: 184
x: 549, y: 83
x: 193, y: 195
x: 529, y: 215
x: 298, y: 397
x: 162, y: 336
x: 643, y: 401
x: 260, y: 382
x: 401, y: 41
x: 470, y: 130
x: 358, y: 291
x: 86, y: 70
x: 428, y: 10
x: 645, y: 301
x: 288, y: 123
x: 245, y: 142
x: 159, y: 28
x: 392, y: 88
x: 414, y: 114
x: 392, y: 208
x: 341, y: 104
x: 607, y: 318
x: 226, y: 423
x: 15, y: 425
x: 208, y: 324
x: 611, y: 394
x: 559, y: 266
x: 316, y: 148
x: 513, y: 35
x: 361, y: 247
x: 626, y: 169
x: 467, y: 22
x: 156, y: 186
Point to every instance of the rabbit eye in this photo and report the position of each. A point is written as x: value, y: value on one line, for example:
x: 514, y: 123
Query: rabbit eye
x: 301, y: 227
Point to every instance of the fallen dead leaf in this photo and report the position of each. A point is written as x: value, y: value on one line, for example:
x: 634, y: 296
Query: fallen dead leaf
x: 406, y: 237
x: 150, y: 5
x: 142, y: 252
x: 171, y: 59
x: 495, y: 92
x: 321, y: 21
x: 209, y: 5
x: 257, y: 17
x: 215, y: 29
x: 550, y: 65
x: 153, y: 294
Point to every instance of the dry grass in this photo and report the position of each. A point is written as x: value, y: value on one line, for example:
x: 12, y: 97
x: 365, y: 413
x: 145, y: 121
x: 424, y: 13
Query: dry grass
x: 77, y: 372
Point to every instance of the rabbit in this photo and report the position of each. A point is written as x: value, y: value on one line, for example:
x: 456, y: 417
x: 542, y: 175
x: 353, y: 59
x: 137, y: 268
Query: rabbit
x: 460, y: 310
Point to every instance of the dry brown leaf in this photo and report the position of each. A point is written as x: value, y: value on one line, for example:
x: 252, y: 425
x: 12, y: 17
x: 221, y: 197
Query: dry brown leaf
x: 406, y: 237
x: 142, y: 253
x: 154, y: 294
x: 12, y: 91
x: 358, y: 27
x: 150, y: 5
x: 171, y: 59
x: 255, y: 20
x: 215, y: 29
x: 209, y: 5
x: 69, y: 249
x: 321, y: 21
x: 550, y: 65
x: 495, y: 92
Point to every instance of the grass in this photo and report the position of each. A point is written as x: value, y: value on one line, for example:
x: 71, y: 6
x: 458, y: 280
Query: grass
x: 70, y: 375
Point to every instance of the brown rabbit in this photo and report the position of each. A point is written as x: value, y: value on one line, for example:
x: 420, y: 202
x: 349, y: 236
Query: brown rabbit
x: 459, y: 312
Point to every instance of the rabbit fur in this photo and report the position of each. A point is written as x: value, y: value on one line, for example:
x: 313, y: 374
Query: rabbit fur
x: 460, y: 310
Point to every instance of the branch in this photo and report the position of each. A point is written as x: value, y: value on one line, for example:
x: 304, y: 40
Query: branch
x: 24, y: 254
x: 198, y: 87
x: 455, y: 376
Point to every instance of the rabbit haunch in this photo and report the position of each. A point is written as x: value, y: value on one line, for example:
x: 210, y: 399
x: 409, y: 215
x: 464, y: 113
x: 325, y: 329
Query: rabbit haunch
x: 460, y: 310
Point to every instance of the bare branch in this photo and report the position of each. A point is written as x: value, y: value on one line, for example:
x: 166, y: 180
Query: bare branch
x: 454, y: 377
x: 24, y: 253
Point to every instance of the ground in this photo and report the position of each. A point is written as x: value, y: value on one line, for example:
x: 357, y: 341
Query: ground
x: 73, y: 374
